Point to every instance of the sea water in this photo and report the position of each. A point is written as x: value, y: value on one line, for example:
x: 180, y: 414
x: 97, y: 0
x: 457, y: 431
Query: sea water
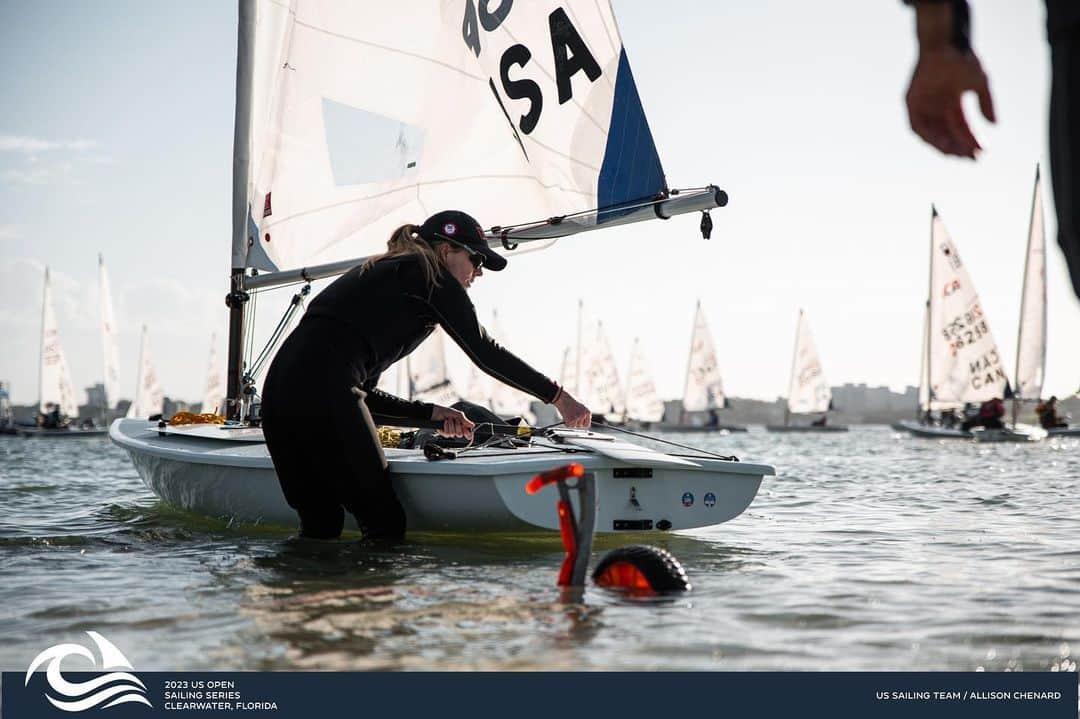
x: 870, y: 550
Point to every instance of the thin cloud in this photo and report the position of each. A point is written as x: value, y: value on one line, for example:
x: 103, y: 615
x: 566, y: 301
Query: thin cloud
x: 24, y: 144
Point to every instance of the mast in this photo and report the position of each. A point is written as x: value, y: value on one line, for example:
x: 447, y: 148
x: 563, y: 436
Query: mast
x: 245, y: 58
x: 1023, y: 301
x: 924, y: 370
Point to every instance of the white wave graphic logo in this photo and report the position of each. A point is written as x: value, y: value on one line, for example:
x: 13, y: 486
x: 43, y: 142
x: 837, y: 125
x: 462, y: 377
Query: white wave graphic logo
x: 116, y: 687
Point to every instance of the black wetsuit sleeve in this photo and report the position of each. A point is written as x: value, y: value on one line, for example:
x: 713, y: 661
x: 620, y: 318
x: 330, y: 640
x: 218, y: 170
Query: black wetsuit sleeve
x: 385, y: 406
x: 456, y: 314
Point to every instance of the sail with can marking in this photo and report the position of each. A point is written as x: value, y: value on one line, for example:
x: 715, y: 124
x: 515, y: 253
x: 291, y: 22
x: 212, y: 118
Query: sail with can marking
x: 964, y: 364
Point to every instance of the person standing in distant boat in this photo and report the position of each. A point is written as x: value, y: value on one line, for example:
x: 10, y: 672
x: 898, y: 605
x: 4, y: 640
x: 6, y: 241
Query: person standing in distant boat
x: 991, y: 415
x: 947, y: 68
x: 320, y: 399
x: 1048, y: 416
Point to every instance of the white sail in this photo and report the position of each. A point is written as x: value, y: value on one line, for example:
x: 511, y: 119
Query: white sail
x: 964, y: 362
x: 1031, y: 338
x: 704, y: 388
x: 109, y: 333
x: 55, y: 386
x: 149, y: 399
x: 808, y: 390
x: 214, y: 391
x: 507, y: 401
x: 428, y: 377
x: 354, y: 118
x: 601, y: 389
x: 642, y: 401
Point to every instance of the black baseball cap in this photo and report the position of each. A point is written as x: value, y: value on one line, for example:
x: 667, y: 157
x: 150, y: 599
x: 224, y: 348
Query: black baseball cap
x: 461, y: 229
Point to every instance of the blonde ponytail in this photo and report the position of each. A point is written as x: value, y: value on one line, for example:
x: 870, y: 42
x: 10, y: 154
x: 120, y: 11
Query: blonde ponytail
x: 406, y: 240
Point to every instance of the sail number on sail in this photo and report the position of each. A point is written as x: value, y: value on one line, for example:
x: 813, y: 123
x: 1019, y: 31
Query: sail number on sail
x: 569, y: 52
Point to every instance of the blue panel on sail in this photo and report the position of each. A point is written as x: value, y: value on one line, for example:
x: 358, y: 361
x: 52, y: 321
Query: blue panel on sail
x: 631, y: 169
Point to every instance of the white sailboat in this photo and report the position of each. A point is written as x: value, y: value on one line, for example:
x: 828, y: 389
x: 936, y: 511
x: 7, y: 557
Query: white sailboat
x: 643, y: 404
x: 429, y: 380
x: 1031, y: 332
x: 149, y: 398
x: 522, y: 111
x: 214, y: 389
x: 703, y: 391
x: 506, y: 401
x: 56, y: 394
x: 808, y: 390
x: 601, y: 388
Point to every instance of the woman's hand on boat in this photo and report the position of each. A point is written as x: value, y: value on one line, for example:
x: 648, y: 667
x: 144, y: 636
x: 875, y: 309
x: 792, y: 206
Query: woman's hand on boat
x: 574, y: 413
x: 455, y: 423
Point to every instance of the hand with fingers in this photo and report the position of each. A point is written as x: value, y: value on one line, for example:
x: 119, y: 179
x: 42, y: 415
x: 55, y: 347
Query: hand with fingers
x: 574, y: 414
x: 944, y: 72
x: 455, y: 423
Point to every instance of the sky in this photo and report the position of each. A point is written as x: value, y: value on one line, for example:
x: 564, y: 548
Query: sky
x: 116, y: 138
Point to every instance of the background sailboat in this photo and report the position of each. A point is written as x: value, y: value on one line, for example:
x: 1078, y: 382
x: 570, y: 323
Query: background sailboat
x: 56, y: 394
x: 962, y: 363
x: 507, y: 401
x: 109, y: 332
x: 149, y: 398
x: 643, y: 404
x: 214, y: 390
x: 429, y: 380
x: 1031, y: 332
x: 808, y: 390
x: 703, y: 392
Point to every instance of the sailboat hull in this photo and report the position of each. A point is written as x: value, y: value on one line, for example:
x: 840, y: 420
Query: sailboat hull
x: 700, y: 428
x: 807, y: 428
x: 1017, y: 433
x: 930, y: 431
x: 1064, y: 432
x: 482, y: 491
x: 40, y: 433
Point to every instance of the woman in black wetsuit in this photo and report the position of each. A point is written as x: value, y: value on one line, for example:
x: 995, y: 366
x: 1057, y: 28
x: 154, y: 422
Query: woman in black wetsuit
x: 323, y: 440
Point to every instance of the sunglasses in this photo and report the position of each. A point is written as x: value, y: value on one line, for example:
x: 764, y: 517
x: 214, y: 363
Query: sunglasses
x: 476, y: 258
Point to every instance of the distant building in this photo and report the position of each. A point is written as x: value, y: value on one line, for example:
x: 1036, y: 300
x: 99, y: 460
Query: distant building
x: 96, y: 397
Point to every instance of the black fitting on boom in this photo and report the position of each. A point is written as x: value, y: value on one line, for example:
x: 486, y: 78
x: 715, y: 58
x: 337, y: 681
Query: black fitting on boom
x: 706, y: 225
x: 236, y: 299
